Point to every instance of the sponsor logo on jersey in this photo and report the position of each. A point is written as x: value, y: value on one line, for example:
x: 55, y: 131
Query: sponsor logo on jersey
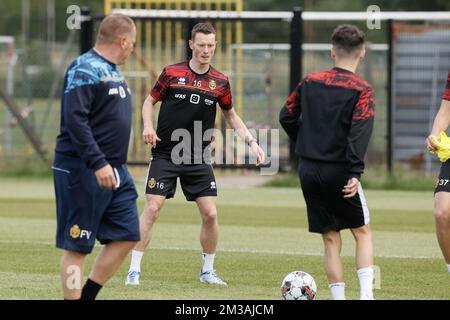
x: 212, y: 84
x: 181, y: 80
x: 113, y: 91
x: 209, y: 102
x: 152, y: 183
x: 180, y: 95
x: 195, y: 98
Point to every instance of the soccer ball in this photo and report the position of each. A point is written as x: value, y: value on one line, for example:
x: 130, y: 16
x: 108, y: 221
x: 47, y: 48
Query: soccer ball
x: 298, y: 285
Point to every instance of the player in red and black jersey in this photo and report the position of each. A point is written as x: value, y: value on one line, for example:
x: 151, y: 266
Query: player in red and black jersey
x: 188, y: 97
x: 447, y: 89
x: 330, y: 117
x: 189, y: 92
x: 442, y: 190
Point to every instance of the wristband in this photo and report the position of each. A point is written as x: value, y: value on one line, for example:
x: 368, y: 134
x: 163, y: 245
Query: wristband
x: 250, y: 142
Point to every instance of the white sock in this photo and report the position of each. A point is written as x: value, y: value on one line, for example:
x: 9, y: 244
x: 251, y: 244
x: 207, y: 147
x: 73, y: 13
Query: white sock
x: 208, y: 261
x: 448, y: 267
x: 136, y: 257
x: 365, y: 276
x: 337, y: 290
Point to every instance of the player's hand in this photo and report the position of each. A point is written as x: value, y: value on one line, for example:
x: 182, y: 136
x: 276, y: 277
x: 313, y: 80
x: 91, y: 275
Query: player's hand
x: 258, y: 152
x: 106, y: 177
x: 431, y: 145
x: 150, y: 136
x: 351, y: 188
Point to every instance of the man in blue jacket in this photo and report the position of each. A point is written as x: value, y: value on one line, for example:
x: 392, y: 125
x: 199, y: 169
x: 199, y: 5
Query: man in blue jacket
x: 95, y: 194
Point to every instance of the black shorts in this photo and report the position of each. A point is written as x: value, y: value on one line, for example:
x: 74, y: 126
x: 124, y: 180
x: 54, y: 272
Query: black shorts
x: 197, y: 180
x: 443, y: 182
x: 328, y: 210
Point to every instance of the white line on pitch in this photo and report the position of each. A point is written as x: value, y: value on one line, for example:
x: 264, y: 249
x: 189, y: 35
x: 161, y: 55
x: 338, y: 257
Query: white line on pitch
x: 257, y: 251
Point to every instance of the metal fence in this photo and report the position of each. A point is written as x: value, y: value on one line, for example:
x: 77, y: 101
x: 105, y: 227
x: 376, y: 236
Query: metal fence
x: 263, y: 83
x: 422, y: 62
x: 35, y: 88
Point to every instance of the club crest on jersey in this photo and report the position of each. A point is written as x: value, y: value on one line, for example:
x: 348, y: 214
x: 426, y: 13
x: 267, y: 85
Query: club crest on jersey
x: 151, y: 183
x: 212, y: 84
x: 181, y: 80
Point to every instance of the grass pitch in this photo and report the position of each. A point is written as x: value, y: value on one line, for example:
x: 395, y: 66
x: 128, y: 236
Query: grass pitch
x: 263, y: 237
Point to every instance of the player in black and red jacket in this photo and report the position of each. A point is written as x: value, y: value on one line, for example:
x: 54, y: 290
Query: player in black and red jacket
x: 189, y: 92
x: 442, y: 190
x: 330, y: 117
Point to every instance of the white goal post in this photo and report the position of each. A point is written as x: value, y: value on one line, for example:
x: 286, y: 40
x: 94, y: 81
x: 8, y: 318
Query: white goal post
x: 287, y: 15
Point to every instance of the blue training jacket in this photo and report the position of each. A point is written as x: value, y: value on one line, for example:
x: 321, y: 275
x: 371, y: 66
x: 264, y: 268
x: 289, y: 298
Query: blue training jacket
x: 95, y: 112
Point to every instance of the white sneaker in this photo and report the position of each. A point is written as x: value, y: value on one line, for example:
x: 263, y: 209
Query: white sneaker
x: 211, y: 277
x: 132, y: 278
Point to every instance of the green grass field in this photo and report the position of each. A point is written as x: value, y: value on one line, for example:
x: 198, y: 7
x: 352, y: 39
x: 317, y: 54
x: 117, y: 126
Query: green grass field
x: 263, y: 237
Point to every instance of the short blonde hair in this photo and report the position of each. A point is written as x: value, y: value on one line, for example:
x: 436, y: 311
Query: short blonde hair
x: 113, y: 26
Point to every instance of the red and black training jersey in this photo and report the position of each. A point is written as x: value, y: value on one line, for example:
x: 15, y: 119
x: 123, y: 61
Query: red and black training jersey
x: 188, y: 101
x: 330, y: 116
x: 447, y: 89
